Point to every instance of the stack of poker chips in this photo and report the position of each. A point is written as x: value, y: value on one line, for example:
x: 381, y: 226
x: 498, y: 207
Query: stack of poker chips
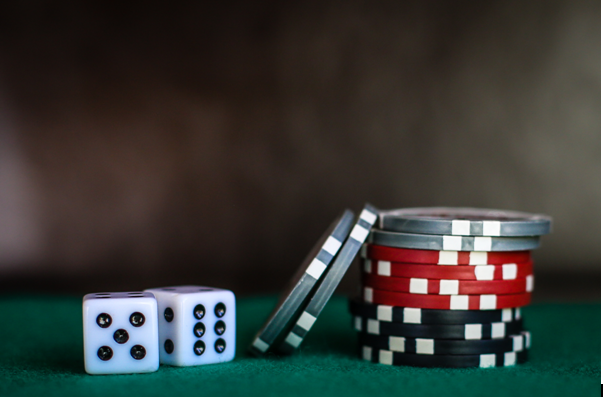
x: 443, y: 287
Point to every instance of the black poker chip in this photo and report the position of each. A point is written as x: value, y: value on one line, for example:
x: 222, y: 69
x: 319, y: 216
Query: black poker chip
x: 487, y: 360
x: 428, y: 346
x: 456, y: 331
x: 412, y: 315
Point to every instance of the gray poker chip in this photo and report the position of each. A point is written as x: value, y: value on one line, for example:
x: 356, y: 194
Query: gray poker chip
x: 465, y: 222
x: 303, y: 283
x: 451, y: 243
x: 331, y: 280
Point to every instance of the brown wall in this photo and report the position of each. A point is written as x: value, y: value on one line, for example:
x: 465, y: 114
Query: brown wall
x: 212, y: 144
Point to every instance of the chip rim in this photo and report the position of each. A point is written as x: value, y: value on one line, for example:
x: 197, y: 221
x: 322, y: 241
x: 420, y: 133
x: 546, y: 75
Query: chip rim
x: 387, y: 357
x: 468, y: 331
x: 411, y: 315
x: 425, y: 220
x: 452, y: 243
x: 437, y: 347
x: 301, y: 285
x: 354, y: 241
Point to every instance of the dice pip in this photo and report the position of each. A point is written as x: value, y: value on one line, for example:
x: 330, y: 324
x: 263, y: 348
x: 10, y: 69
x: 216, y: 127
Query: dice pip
x: 120, y: 333
x: 196, y: 325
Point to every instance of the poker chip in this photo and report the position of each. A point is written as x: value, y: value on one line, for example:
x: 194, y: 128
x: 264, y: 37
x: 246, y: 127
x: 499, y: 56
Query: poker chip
x: 465, y: 222
x: 438, y: 331
x: 430, y: 346
x: 299, y: 290
x: 443, y: 302
x: 440, y: 287
x: 435, y: 257
x: 414, y: 315
x: 509, y: 271
x: 443, y: 287
x: 447, y: 286
x: 487, y: 360
x: 316, y: 303
x: 452, y: 243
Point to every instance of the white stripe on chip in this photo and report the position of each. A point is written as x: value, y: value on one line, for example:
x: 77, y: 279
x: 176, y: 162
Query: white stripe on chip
x: 368, y: 294
x: 306, y: 320
x: 332, y: 245
x: 359, y: 233
x: 448, y: 258
x: 385, y: 313
x: 478, y: 258
x: 384, y: 268
x: 449, y: 287
x: 367, y: 353
x: 424, y: 346
x: 418, y: 285
x: 461, y: 228
x: 386, y: 357
x: 473, y: 331
x: 367, y: 265
x: 498, y: 330
x: 368, y: 216
x: 509, y: 271
x: 491, y: 228
x: 372, y: 327
x: 510, y: 359
x: 459, y: 302
x: 293, y: 340
x: 452, y: 243
x: 482, y: 243
x: 412, y: 315
x: 487, y: 360
x: 487, y: 302
x: 316, y: 268
x: 397, y: 344
x: 260, y: 345
x: 484, y: 272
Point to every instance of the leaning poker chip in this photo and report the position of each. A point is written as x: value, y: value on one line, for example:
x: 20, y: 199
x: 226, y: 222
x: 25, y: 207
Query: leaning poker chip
x: 301, y: 285
x: 447, y: 286
x: 412, y: 315
x: 509, y: 271
x: 487, y: 360
x: 465, y: 222
x: 331, y: 280
x: 430, y: 346
x: 404, y: 255
x: 443, y: 302
x: 439, y: 331
x: 452, y: 243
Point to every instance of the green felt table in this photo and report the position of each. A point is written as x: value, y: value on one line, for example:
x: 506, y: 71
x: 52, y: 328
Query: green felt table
x: 41, y: 354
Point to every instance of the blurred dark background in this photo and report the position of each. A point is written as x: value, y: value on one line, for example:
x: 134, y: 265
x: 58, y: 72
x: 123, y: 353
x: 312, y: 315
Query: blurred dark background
x: 151, y: 144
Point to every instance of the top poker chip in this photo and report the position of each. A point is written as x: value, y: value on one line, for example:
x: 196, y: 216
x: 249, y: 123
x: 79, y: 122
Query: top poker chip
x: 303, y: 284
x: 464, y: 222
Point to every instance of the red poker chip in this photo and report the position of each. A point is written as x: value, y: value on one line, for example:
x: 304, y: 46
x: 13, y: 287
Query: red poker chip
x: 379, y: 252
x: 443, y: 302
x: 448, y: 287
x: 509, y: 271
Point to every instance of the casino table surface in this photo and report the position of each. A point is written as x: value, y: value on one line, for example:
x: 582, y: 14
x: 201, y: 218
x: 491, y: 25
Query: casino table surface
x: 41, y: 354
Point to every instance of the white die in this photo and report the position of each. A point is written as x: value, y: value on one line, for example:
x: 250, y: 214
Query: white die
x: 120, y: 333
x: 192, y: 327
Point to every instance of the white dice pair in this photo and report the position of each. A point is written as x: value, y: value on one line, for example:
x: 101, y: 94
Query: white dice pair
x: 132, y: 332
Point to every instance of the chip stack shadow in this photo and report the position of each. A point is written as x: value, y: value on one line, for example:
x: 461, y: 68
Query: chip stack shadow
x: 444, y: 287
